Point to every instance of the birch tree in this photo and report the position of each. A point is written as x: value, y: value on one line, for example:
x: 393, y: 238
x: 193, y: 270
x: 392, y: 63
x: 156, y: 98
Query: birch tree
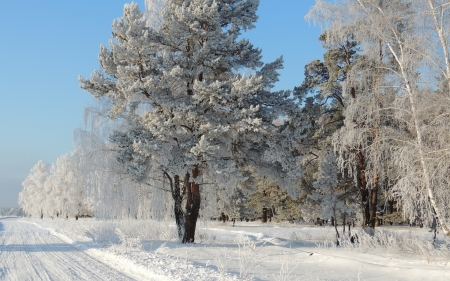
x: 414, y: 34
x: 32, y: 197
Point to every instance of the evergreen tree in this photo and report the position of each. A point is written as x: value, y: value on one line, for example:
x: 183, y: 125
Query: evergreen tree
x: 191, y: 114
x: 325, y: 109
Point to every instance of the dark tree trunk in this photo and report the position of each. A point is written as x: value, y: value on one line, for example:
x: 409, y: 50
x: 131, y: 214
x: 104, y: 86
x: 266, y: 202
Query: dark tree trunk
x: 362, y: 187
x: 335, y: 228
x: 391, y: 207
x: 264, y: 215
x: 373, y: 205
x: 192, y: 207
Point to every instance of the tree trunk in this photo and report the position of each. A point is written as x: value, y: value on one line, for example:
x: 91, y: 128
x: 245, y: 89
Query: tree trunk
x: 177, y: 196
x: 373, y: 221
x: 177, y: 208
x: 343, y: 224
x: 335, y: 228
x: 362, y: 187
x: 390, y: 209
x: 440, y: 30
x: 264, y: 215
x: 374, y: 189
x: 192, y: 207
x: 420, y: 146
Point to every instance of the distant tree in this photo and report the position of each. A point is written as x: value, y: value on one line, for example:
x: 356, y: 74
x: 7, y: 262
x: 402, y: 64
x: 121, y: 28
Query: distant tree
x: 277, y: 202
x: 329, y: 194
x: 66, y: 194
x: 32, y: 197
x: 108, y: 189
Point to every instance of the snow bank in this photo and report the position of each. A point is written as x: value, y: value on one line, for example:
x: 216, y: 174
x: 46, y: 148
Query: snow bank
x: 255, y: 251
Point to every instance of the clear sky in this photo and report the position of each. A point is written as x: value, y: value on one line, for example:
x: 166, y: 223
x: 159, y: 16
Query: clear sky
x: 46, y: 45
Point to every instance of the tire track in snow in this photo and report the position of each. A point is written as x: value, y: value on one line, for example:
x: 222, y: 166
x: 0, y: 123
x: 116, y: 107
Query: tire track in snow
x: 29, y: 252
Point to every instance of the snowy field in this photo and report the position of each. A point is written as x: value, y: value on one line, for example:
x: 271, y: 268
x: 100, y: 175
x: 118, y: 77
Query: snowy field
x: 32, y: 249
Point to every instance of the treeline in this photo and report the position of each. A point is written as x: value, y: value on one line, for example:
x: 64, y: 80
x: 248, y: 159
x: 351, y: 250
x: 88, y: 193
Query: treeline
x: 179, y: 127
x: 15, y: 212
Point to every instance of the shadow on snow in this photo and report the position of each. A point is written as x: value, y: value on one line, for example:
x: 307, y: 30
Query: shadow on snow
x: 33, y: 248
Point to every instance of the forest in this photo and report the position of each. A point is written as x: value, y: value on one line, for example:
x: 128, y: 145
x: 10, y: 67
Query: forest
x: 186, y: 125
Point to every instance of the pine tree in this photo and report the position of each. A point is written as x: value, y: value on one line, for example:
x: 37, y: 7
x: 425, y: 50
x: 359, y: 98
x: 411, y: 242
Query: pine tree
x: 179, y: 85
x: 325, y: 107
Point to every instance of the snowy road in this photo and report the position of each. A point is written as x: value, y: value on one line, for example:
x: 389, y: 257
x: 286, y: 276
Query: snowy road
x: 34, y: 249
x: 28, y: 252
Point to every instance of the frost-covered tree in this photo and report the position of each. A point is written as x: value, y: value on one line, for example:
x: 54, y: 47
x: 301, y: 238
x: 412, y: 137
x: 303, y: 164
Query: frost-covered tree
x: 361, y: 143
x: 191, y: 113
x: 329, y: 108
x: 108, y: 189
x: 32, y: 197
x: 65, y: 182
x: 277, y: 202
x: 330, y: 195
x: 55, y: 190
x: 414, y: 36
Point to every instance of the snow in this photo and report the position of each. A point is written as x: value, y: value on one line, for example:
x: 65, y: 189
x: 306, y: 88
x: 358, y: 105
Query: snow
x: 88, y: 249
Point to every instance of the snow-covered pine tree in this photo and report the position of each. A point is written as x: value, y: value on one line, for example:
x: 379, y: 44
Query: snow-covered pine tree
x: 180, y: 83
x: 325, y: 107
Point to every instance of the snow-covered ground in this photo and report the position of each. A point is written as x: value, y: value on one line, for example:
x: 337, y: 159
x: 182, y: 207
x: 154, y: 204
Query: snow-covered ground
x: 87, y: 249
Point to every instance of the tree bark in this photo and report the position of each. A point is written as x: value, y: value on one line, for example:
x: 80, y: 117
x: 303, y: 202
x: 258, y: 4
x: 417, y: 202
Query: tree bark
x: 373, y: 221
x: 335, y: 228
x: 362, y: 187
x: 264, y: 215
x: 178, y: 210
x: 343, y: 223
x: 192, y: 207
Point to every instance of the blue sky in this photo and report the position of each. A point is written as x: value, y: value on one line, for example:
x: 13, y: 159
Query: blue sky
x: 46, y: 45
